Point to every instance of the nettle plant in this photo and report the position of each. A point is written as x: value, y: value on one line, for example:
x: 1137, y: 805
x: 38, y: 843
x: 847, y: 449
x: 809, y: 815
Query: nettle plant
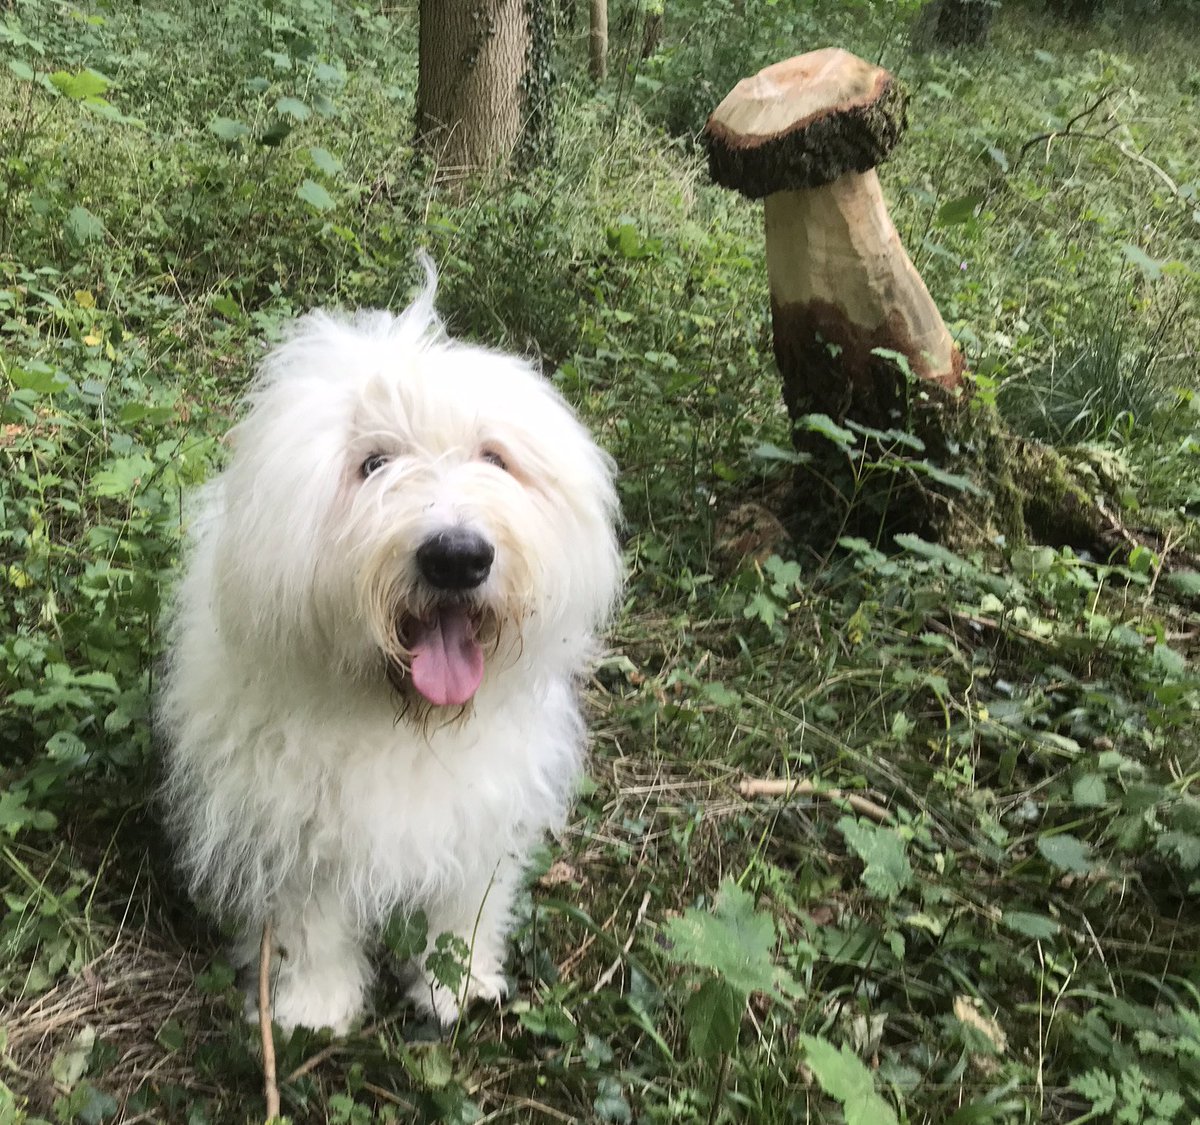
x: 729, y: 955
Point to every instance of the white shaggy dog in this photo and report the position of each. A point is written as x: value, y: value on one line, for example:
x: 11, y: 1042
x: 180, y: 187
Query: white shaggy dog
x: 370, y: 700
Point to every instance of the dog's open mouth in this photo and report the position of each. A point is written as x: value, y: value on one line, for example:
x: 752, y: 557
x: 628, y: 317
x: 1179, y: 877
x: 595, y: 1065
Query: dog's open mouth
x: 445, y: 657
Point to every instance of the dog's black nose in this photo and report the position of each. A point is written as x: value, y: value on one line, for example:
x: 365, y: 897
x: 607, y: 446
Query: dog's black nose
x: 455, y: 559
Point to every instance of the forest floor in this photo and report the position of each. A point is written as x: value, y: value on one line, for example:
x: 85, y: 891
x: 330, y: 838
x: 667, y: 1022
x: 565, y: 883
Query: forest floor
x: 980, y: 904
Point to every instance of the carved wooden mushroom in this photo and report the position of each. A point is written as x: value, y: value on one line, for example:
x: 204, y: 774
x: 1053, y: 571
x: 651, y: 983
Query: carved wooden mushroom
x: 806, y: 135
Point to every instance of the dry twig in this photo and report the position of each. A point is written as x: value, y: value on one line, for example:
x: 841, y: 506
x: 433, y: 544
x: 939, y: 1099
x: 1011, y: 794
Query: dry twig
x: 785, y: 787
x: 270, y: 1086
x: 608, y: 974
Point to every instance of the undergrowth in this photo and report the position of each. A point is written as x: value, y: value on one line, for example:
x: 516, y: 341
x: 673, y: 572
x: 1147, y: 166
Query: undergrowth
x: 981, y: 906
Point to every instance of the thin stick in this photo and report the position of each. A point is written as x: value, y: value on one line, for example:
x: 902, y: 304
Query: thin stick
x: 783, y: 787
x: 270, y: 1086
x: 608, y: 974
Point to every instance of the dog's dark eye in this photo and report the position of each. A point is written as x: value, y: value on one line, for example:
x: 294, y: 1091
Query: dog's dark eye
x: 373, y: 463
x: 494, y: 458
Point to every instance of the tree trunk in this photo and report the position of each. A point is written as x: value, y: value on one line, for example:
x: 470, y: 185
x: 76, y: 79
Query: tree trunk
x: 471, y: 82
x: 1077, y: 11
x: 598, y: 42
x: 652, y: 31
x: 953, y: 23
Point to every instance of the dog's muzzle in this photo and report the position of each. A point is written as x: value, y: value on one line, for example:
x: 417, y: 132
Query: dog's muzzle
x: 455, y: 559
x: 445, y: 657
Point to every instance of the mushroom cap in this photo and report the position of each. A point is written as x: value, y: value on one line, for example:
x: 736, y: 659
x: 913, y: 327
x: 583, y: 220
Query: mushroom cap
x: 803, y: 123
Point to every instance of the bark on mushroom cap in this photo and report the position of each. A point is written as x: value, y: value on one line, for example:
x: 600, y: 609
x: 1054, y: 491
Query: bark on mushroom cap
x: 804, y: 123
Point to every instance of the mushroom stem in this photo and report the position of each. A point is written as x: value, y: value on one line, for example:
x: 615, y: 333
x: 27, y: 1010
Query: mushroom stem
x: 842, y: 286
x: 838, y: 244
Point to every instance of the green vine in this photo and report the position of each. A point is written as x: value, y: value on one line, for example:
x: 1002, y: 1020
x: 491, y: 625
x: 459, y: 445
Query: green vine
x: 485, y: 28
x: 537, y: 140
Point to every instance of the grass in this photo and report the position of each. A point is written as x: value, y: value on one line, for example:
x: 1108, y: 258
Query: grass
x: 1013, y: 942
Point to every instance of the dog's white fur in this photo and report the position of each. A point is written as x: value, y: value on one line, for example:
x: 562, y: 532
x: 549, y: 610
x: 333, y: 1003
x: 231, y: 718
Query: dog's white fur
x: 301, y: 784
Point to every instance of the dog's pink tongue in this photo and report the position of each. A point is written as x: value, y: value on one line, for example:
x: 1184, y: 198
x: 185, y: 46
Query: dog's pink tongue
x: 447, y: 662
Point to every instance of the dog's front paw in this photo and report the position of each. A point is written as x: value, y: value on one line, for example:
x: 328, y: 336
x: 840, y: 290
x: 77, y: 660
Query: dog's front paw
x: 440, y: 1002
x: 315, y: 1001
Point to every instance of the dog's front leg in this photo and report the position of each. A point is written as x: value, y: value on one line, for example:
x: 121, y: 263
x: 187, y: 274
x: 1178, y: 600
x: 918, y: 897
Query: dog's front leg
x: 319, y: 971
x: 480, y: 915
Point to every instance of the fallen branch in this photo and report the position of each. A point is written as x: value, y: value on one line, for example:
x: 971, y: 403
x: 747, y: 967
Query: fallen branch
x: 270, y: 1086
x: 1065, y: 131
x: 784, y: 787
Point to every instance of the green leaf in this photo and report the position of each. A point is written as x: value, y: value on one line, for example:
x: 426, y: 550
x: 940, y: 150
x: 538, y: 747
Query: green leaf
x: 67, y: 1067
x: 1169, y: 662
x: 956, y: 481
x: 1031, y: 925
x: 768, y: 451
x: 218, y: 978
x: 448, y: 961
x: 65, y: 746
x: 827, y: 428
x: 1187, y: 582
x: 887, y: 870
x: 94, y: 1106
x: 228, y: 129
x: 21, y: 69
x: 1089, y: 791
x: 434, y: 1067
x: 122, y: 476
x: 171, y: 1036
x: 104, y: 681
x: 1152, y: 268
x: 845, y: 1078
x: 275, y: 134
x: 1099, y: 1088
x: 596, y: 1053
x: 227, y: 307
x: 713, y: 1015
x: 329, y: 74
x: 734, y: 941
x: 406, y: 935
x: 625, y: 240
x: 721, y: 695
x: 82, y: 225
x: 551, y: 1020
x: 762, y: 607
x: 117, y: 720
x: 325, y: 160
x: 14, y: 814
x: 1067, y: 852
x: 315, y: 195
x: 1185, y: 846
x: 899, y: 359
x: 1142, y: 560
x: 294, y: 108
x: 84, y: 84
x: 890, y: 437
x: 955, y: 564
x: 610, y: 1103
x: 40, y: 378
x: 958, y: 210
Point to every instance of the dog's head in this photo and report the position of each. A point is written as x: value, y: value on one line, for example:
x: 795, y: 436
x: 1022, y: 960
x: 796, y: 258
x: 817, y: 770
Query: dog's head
x: 400, y: 504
